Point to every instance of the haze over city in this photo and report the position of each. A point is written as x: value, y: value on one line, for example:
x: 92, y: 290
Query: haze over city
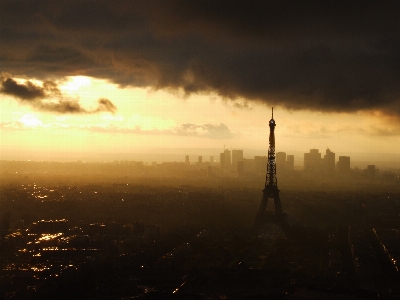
x: 142, y: 143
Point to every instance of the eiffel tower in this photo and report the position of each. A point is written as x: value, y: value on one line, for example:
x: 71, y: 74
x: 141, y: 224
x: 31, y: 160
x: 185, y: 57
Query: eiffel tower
x: 271, y: 190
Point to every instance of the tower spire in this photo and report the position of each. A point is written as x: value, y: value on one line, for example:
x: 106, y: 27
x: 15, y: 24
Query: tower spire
x: 271, y: 166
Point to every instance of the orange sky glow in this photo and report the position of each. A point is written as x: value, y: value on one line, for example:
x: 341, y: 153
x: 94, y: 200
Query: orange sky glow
x: 150, y: 119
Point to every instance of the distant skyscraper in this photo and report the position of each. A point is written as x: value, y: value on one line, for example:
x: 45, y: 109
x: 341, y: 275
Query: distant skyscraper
x: 187, y: 160
x: 329, y: 161
x: 290, y: 162
x: 200, y: 160
x: 343, y: 165
x: 237, y: 155
x: 228, y: 159
x: 312, y: 160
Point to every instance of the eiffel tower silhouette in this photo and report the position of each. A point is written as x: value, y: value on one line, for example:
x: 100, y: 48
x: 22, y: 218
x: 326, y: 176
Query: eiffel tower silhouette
x: 271, y: 190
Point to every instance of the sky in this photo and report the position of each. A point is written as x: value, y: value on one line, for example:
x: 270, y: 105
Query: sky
x: 133, y: 76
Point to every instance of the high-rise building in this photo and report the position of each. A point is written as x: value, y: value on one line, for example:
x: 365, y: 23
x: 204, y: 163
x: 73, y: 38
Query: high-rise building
x: 343, y: 164
x: 200, y: 160
x: 187, y: 160
x: 290, y: 162
x: 329, y: 162
x: 237, y: 155
x: 228, y: 159
x: 312, y: 160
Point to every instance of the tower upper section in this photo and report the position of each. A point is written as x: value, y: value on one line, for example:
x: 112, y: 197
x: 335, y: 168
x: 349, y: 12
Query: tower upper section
x: 271, y: 166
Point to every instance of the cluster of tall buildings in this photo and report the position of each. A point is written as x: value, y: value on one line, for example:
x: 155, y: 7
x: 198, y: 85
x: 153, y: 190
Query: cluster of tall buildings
x: 199, y: 159
x: 314, y: 162
x: 284, y: 162
x: 233, y: 161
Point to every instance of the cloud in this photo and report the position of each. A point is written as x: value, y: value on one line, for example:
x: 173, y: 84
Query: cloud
x: 213, y: 131
x: 376, y: 125
x: 105, y: 105
x: 335, y: 56
x: 27, y: 91
x: 12, y: 125
x: 49, y: 98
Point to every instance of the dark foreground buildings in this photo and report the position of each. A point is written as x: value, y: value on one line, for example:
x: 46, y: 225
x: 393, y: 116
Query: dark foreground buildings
x: 141, y: 238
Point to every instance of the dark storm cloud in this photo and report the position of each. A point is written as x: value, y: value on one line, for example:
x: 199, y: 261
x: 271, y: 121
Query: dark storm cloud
x: 317, y: 55
x: 27, y: 91
x: 49, y: 98
x: 74, y: 107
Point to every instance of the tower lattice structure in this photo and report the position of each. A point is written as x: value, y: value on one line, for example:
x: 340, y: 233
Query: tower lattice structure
x: 271, y: 188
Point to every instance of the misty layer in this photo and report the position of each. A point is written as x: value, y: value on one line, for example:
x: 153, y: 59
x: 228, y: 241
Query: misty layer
x: 324, y: 56
x: 48, y: 97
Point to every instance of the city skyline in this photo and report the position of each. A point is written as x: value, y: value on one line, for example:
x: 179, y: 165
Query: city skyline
x: 191, y: 156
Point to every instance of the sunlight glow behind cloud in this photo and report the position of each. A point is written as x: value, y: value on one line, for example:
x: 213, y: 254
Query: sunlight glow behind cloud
x: 74, y: 83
